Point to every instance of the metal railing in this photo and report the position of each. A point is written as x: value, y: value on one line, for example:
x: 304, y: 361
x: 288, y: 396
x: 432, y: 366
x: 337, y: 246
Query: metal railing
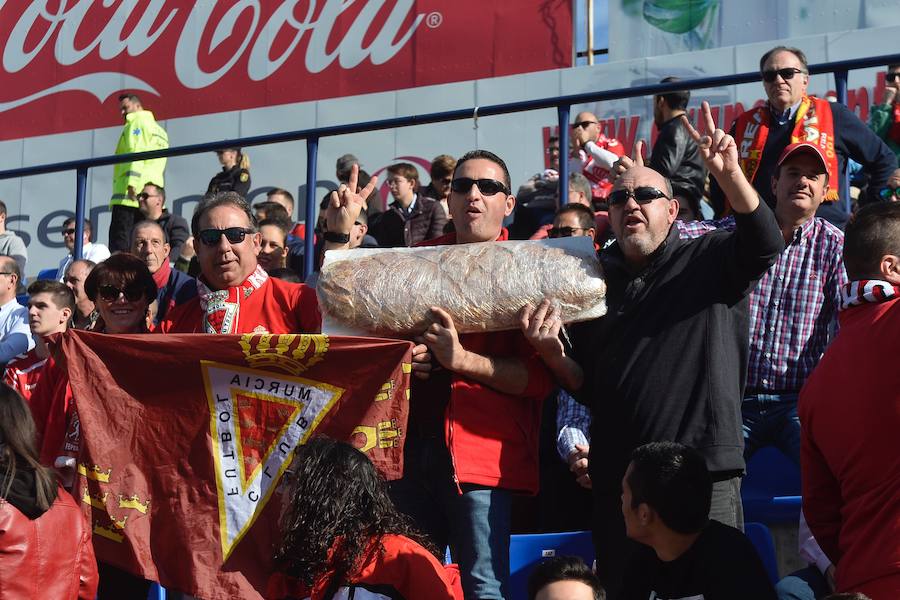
x: 312, y: 136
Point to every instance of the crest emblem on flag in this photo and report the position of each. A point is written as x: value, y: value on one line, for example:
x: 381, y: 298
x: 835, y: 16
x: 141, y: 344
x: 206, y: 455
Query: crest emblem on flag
x: 257, y: 418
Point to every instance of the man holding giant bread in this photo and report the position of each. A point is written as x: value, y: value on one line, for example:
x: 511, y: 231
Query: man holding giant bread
x: 473, y: 424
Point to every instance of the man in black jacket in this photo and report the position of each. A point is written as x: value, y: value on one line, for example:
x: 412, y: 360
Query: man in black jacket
x: 675, y: 155
x: 669, y: 360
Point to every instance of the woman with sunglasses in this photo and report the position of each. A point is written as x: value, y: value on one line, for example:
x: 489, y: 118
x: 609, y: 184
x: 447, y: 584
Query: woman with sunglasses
x: 122, y: 289
x: 45, y: 546
x: 342, y: 535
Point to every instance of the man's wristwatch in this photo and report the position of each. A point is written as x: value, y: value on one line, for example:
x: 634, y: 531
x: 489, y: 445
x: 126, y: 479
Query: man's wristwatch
x: 336, y: 238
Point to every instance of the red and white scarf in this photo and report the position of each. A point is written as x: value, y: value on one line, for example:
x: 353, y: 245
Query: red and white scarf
x: 222, y: 308
x: 867, y: 290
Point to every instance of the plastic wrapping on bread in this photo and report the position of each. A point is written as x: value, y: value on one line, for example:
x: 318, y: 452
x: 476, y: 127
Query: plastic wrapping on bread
x: 482, y: 286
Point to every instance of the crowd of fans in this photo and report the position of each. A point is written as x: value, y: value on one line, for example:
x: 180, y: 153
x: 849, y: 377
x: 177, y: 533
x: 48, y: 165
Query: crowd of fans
x: 712, y: 347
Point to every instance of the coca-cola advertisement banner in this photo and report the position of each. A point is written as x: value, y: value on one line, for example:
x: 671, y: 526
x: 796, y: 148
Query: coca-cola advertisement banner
x: 65, y: 62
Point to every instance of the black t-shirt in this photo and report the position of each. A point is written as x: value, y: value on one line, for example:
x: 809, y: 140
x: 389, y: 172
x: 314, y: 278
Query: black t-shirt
x: 721, y: 565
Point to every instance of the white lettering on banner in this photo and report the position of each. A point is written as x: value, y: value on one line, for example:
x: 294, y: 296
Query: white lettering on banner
x: 66, y: 23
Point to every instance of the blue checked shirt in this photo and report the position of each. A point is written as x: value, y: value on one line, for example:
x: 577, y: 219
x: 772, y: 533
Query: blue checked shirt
x: 573, y: 425
x: 793, y: 309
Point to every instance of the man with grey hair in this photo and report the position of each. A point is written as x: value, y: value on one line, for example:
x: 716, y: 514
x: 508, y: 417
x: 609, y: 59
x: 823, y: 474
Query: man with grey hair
x: 15, y: 334
x: 235, y: 294
x: 10, y: 243
x: 149, y: 243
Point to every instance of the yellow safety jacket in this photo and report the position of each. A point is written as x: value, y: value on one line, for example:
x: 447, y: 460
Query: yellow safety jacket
x: 140, y: 134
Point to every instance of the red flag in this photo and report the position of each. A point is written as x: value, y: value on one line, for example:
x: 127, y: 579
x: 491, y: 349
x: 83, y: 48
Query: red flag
x: 185, y: 438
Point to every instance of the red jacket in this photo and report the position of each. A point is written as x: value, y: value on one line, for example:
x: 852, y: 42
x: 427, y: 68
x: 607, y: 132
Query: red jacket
x: 492, y: 436
x: 850, y: 457
x: 48, y: 557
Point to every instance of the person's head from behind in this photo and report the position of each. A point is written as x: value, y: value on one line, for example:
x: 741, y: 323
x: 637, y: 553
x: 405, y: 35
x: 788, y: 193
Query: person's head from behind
x: 122, y: 288
x: 641, y: 212
x: 51, y: 305
x: 579, y: 189
x: 10, y: 276
x: 68, y: 232
x: 334, y: 494
x: 273, y: 234
x: 872, y: 243
x: 343, y: 166
x: 671, y: 104
x: 148, y: 242
x: 564, y: 578
x: 441, y: 174
x: 667, y: 490
x: 480, y: 197
x: 18, y: 449
x: 573, y: 220
x: 227, y: 240
x: 282, y: 197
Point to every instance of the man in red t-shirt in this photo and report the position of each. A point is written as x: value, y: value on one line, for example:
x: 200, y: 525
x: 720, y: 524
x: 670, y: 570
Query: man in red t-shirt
x: 50, y: 308
x: 235, y: 295
x: 473, y: 425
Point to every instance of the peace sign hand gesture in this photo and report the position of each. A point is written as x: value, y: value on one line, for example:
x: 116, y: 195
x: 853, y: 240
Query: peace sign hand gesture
x: 345, y: 204
x: 718, y: 149
x: 624, y: 163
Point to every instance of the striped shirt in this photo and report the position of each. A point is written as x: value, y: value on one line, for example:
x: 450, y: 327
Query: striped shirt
x: 793, y: 309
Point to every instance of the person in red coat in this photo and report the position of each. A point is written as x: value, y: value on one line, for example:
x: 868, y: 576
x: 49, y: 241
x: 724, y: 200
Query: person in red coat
x: 850, y: 416
x: 45, y: 543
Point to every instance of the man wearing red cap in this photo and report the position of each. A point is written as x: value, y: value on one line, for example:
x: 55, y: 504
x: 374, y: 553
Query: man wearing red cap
x: 793, y: 310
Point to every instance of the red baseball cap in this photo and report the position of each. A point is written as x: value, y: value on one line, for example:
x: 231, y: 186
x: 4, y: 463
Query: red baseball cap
x: 808, y: 148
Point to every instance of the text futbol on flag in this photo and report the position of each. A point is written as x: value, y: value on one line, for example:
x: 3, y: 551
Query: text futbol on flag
x: 185, y: 439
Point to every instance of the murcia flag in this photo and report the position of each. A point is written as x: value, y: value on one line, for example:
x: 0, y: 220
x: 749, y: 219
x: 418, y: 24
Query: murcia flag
x: 185, y: 439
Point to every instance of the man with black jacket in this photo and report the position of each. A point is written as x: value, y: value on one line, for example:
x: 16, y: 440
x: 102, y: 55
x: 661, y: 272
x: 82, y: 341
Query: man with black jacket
x: 675, y: 155
x: 669, y: 360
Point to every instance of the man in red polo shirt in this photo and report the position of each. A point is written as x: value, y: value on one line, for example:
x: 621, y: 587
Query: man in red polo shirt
x: 472, y: 436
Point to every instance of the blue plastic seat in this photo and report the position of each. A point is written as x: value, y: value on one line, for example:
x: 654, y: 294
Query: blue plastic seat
x: 761, y: 538
x: 526, y: 550
x: 770, y: 491
x: 47, y: 273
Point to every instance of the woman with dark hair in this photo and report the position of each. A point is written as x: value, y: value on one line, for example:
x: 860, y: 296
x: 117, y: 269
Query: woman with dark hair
x: 122, y: 289
x: 341, y: 533
x: 45, y: 545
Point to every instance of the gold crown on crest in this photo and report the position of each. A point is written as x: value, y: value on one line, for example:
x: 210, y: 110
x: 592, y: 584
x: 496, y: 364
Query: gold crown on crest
x: 291, y: 353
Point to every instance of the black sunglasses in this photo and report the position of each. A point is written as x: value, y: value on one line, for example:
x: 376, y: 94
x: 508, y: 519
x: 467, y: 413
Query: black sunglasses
x: 234, y: 235
x: 70, y: 231
x: 786, y: 73
x: 583, y: 124
x: 132, y: 292
x: 558, y: 232
x: 641, y: 195
x: 892, y: 76
x: 488, y: 187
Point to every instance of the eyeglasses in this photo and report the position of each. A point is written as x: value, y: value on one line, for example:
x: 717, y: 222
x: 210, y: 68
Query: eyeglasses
x: 144, y: 196
x: 583, y: 124
x: 641, y: 195
x: 890, y: 193
x: 558, y: 232
x: 892, y: 76
x: 786, y: 73
x: 234, y: 235
x: 6, y: 273
x: 488, y: 187
x: 70, y: 231
x: 132, y: 292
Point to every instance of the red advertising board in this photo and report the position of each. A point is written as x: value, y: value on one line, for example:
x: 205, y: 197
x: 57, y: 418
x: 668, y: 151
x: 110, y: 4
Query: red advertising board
x: 64, y: 62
